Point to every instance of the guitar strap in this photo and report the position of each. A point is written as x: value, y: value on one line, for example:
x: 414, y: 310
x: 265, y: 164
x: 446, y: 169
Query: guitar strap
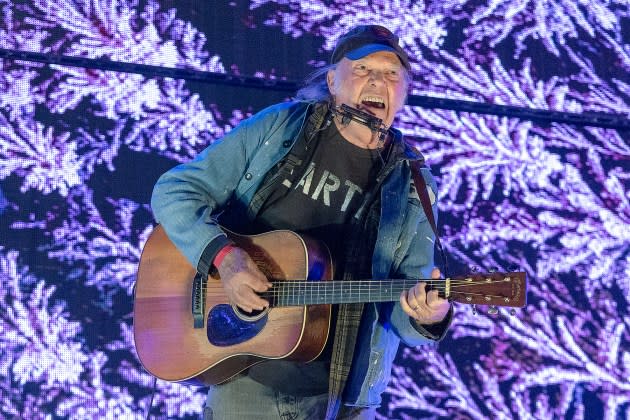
x: 423, y: 194
x: 288, y: 167
x: 283, y: 170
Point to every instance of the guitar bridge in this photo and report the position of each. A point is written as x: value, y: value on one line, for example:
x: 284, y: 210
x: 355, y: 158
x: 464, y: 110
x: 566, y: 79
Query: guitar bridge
x: 199, y: 300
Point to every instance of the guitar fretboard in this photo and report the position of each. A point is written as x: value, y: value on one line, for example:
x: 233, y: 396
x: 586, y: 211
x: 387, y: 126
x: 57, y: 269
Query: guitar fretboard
x: 298, y: 293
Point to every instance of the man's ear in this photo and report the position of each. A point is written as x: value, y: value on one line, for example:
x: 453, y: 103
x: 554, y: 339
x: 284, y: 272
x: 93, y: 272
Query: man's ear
x: 330, y: 80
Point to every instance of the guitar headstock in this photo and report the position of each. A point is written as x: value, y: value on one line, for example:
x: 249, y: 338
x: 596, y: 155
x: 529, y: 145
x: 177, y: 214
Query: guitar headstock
x: 497, y: 289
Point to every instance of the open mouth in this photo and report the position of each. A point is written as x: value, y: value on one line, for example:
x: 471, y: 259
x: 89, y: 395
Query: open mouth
x: 372, y: 103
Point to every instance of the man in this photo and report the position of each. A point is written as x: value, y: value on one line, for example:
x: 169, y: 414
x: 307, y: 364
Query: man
x: 304, y: 166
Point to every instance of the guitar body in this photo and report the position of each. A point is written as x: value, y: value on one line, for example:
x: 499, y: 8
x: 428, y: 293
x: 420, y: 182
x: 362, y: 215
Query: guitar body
x: 229, y: 341
x: 185, y: 328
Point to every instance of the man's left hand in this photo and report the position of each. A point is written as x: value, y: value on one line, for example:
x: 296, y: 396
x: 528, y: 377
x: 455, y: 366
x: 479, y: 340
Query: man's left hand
x: 425, y: 308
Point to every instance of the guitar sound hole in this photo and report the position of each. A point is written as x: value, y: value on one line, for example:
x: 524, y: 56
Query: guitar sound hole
x: 254, y: 315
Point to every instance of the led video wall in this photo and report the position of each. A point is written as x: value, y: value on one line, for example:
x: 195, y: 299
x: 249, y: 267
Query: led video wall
x: 80, y: 150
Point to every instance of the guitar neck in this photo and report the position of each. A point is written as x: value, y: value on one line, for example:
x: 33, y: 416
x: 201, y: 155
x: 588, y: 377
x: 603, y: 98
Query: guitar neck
x: 499, y: 289
x: 298, y: 293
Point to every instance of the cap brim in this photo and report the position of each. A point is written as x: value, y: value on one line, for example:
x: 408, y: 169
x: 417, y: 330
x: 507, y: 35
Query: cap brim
x: 372, y: 48
x: 367, y: 50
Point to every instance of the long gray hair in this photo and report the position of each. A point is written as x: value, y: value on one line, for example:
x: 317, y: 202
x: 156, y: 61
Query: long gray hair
x: 315, y: 86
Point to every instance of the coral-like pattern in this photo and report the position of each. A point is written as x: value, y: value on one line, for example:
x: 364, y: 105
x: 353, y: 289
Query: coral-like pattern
x: 81, y: 148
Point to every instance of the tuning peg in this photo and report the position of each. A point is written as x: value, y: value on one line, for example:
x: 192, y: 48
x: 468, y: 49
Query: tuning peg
x: 492, y: 310
x: 512, y: 311
x: 474, y: 309
x: 474, y: 269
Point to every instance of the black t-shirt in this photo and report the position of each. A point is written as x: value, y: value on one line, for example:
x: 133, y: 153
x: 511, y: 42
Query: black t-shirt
x: 318, y: 199
x: 323, y: 193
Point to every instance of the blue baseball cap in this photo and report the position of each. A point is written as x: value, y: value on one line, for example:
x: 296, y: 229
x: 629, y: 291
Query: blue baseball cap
x: 363, y: 40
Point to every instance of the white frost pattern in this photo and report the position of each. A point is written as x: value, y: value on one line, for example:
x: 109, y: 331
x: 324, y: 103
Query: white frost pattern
x: 551, y: 199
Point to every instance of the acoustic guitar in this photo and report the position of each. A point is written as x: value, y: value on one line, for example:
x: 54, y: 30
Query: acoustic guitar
x: 185, y: 328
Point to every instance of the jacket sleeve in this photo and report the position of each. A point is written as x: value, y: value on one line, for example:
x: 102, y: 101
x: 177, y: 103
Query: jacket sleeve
x: 186, y: 199
x: 417, y: 263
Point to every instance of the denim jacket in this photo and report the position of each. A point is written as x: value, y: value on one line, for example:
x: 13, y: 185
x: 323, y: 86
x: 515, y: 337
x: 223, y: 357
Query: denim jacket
x: 187, y: 200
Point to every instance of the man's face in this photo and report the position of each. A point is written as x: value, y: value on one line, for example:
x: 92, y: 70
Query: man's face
x: 375, y: 84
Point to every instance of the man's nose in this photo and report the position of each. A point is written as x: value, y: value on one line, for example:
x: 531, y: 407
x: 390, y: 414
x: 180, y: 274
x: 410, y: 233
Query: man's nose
x: 376, y: 76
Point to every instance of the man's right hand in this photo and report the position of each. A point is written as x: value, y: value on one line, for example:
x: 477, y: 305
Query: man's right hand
x: 241, y: 280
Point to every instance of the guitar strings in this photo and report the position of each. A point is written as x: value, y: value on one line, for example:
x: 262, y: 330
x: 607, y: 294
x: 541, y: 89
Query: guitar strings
x: 290, y: 290
x: 291, y: 285
x: 323, y: 286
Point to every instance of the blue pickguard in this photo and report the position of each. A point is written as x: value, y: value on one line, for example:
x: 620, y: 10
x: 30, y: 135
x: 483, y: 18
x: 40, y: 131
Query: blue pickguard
x: 227, y: 329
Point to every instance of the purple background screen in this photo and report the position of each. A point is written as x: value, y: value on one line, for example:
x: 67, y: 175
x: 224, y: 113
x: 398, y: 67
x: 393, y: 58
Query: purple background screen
x: 80, y: 150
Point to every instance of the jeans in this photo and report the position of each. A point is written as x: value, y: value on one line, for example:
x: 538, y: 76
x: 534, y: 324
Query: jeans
x: 243, y: 398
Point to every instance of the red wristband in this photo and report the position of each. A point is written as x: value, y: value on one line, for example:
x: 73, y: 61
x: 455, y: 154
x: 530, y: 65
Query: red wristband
x: 222, y: 254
